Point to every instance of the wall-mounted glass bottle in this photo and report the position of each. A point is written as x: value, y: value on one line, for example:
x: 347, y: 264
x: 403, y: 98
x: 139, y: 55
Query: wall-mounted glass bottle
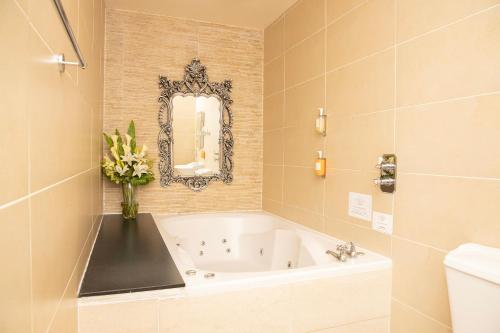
x: 321, y: 122
x: 320, y: 165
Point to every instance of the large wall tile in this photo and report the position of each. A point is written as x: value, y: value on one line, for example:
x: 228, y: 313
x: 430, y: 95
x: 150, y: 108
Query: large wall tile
x: 302, y: 20
x: 273, y: 147
x: 306, y: 60
x: 273, y: 182
x: 341, y: 182
x: 59, y: 121
x: 405, y: 319
x: 421, y: 281
x: 363, y: 296
x: 336, y: 8
x: 273, y: 76
x: 416, y: 17
x: 303, y: 102
x: 368, y: 29
x: 54, y: 232
x: 456, y: 61
x: 363, y: 87
x: 273, y: 40
x: 274, y: 106
x: 445, y: 212
x: 14, y: 124
x: 379, y: 325
x: 303, y: 189
x: 357, y: 142
x: 442, y: 149
x: 301, y: 145
x: 126, y: 317
x: 15, y: 282
x: 303, y: 216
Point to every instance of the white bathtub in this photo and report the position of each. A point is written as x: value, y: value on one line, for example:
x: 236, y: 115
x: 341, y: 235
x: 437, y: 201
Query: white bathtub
x: 222, y: 249
x: 251, y: 292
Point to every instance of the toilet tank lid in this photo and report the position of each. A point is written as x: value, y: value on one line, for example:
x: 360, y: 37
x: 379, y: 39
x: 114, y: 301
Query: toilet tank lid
x: 477, y: 260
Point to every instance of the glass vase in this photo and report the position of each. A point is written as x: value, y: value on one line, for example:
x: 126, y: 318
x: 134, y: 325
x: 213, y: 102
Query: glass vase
x: 129, y: 205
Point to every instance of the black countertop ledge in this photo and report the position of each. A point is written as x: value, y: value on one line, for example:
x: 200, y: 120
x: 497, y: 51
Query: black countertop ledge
x: 129, y: 257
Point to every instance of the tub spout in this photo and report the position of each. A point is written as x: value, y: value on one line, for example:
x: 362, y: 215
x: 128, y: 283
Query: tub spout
x: 340, y: 255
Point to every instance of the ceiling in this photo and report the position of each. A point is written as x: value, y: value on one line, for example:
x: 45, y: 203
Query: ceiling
x: 256, y: 14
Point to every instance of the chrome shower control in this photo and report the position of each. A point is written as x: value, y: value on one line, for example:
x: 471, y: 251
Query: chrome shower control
x: 384, y: 182
x: 387, y: 180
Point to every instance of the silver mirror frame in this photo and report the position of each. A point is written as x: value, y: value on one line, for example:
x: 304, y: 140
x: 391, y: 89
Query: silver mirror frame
x: 195, y: 83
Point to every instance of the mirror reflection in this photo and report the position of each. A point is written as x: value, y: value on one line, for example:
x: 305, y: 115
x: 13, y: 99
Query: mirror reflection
x: 196, y: 131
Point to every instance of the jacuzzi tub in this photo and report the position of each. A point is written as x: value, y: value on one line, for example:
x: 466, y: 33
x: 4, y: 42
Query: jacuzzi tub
x: 264, y: 274
x: 236, y: 248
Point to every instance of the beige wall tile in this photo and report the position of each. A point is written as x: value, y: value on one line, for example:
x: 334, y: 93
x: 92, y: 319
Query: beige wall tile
x: 58, y: 235
x: 406, y: 320
x: 14, y: 124
x: 303, y: 102
x: 303, y: 216
x: 445, y: 212
x: 273, y: 76
x: 417, y: 17
x: 273, y: 147
x: 306, y: 60
x: 59, y: 121
x: 15, y: 303
x: 357, y: 142
x: 274, y: 108
x: 421, y: 281
x: 363, y: 296
x: 336, y: 8
x: 303, y: 189
x: 302, y: 20
x: 363, y: 87
x: 44, y: 17
x: 352, y: 37
x: 265, y: 310
x: 273, y: 40
x: 338, y: 185
x: 379, y: 325
x: 127, y: 317
x: 447, y: 63
x: 273, y: 183
x: 361, y: 235
x: 301, y: 145
x: 271, y: 206
x: 461, y: 148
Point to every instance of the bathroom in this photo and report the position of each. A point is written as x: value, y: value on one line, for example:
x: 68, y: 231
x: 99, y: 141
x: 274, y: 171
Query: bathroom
x: 325, y: 166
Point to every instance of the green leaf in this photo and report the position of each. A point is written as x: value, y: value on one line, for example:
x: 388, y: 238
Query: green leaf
x: 109, y: 141
x: 120, y: 143
x: 131, y: 132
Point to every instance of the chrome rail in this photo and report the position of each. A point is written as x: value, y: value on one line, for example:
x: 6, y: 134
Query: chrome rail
x: 60, y: 58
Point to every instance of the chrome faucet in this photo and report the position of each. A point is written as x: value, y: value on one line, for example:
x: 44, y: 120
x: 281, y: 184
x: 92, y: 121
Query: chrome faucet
x: 344, y: 250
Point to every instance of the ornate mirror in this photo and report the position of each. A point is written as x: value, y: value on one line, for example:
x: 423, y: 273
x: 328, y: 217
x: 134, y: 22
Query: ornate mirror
x: 195, y: 140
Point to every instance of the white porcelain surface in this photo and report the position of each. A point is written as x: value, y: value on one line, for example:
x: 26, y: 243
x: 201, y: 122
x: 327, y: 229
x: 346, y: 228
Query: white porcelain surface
x: 473, y: 290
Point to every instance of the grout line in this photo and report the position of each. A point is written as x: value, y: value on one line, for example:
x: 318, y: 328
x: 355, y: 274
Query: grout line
x: 420, y: 313
x: 69, y: 281
x: 282, y: 194
x: 347, y: 13
x: 394, y: 124
x: 448, y: 100
x: 30, y: 195
x: 442, y: 27
x: 401, y: 238
x: 358, y: 60
x: 449, y: 176
x: 324, y: 138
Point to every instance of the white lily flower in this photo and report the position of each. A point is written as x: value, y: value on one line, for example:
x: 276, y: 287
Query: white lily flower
x: 140, y: 169
x: 121, y: 170
x: 128, y: 158
x: 126, y: 149
x: 128, y: 138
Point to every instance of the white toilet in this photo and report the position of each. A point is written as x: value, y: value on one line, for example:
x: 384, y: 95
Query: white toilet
x: 473, y: 275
